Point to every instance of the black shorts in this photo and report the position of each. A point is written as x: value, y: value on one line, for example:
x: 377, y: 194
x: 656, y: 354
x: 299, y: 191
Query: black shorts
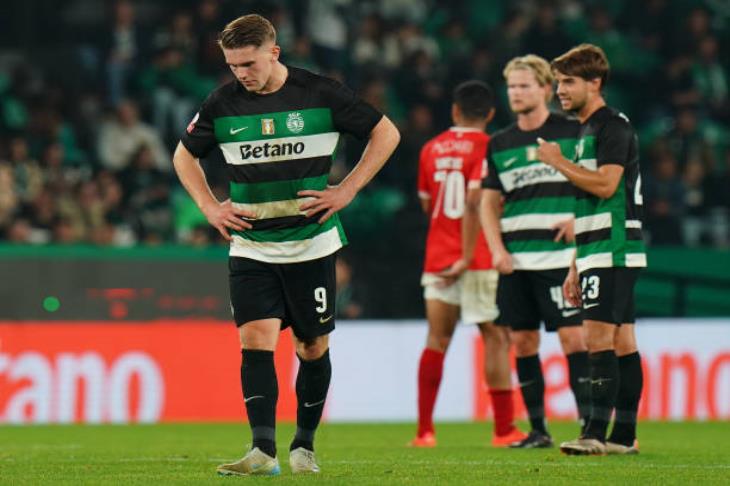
x: 608, y: 294
x: 301, y: 294
x: 527, y: 297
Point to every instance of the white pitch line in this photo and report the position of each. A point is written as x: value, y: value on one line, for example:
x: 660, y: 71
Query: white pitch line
x: 578, y: 463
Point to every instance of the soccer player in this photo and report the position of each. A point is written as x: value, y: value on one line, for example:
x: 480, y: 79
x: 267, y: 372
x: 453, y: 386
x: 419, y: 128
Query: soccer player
x: 610, y: 249
x: 458, y: 275
x: 278, y: 127
x: 530, y: 241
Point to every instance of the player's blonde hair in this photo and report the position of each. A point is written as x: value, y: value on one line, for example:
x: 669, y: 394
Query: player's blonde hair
x: 535, y: 64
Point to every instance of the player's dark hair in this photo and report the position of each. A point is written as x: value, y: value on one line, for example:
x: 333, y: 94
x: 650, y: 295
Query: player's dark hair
x: 474, y: 98
x: 585, y: 61
x: 248, y: 30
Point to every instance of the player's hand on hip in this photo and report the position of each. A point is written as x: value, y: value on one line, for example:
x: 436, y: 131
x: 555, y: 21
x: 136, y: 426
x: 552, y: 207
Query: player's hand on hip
x: 502, y: 261
x: 548, y: 152
x: 452, y: 274
x: 565, y: 231
x: 330, y: 201
x: 225, y: 217
x: 571, y: 288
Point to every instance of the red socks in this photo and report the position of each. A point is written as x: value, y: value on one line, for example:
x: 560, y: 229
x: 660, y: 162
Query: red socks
x: 430, y: 370
x: 503, y: 411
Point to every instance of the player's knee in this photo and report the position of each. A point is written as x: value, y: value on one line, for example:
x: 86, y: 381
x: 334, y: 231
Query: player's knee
x: 600, y: 338
x: 625, y: 343
x: 572, y: 340
x: 526, y: 343
x: 438, y: 342
x: 495, y: 336
x: 311, y: 349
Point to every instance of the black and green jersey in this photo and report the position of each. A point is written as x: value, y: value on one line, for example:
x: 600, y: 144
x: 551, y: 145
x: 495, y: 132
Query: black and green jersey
x: 275, y: 145
x: 536, y: 196
x: 608, y: 231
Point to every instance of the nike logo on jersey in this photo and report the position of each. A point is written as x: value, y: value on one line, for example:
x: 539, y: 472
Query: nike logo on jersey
x: 323, y: 320
x: 509, y: 162
x: 234, y: 131
x: 600, y: 381
x: 310, y: 405
x: 246, y: 400
x: 588, y: 306
x: 568, y: 313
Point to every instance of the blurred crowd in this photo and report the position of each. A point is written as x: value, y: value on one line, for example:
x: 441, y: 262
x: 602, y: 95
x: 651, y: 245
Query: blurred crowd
x: 94, y: 97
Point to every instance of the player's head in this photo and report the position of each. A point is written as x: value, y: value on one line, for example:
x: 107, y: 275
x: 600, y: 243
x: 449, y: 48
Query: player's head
x: 473, y: 103
x: 249, y: 46
x: 581, y: 73
x: 529, y: 83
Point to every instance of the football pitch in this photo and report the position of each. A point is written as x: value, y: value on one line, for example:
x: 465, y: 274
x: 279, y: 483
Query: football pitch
x: 671, y: 453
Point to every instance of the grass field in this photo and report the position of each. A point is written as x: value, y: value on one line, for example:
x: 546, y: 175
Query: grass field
x: 672, y: 453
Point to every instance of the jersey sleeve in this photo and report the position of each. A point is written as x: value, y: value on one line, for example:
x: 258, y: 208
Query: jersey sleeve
x: 491, y: 181
x: 613, y: 144
x: 199, y: 137
x: 423, y: 177
x: 350, y: 114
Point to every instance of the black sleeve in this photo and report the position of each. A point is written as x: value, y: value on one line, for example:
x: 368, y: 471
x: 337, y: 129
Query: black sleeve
x: 491, y: 181
x: 199, y: 137
x: 613, y: 144
x: 350, y: 114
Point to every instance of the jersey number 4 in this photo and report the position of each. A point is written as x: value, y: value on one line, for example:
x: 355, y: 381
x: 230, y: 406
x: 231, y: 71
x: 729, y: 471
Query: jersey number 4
x: 452, y: 189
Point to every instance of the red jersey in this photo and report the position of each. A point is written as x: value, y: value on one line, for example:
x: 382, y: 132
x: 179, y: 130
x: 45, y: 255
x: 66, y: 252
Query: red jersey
x: 451, y: 163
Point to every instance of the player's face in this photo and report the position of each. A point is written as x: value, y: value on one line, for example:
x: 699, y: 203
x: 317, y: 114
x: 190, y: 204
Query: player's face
x: 572, y: 91
x: 524, y: 92
x: 252, y: 65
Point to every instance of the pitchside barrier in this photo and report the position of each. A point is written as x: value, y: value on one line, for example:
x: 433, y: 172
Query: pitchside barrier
x: 168, y: 371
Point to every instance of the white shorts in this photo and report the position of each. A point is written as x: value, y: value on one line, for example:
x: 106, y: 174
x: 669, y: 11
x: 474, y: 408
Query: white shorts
x: 475, y: 292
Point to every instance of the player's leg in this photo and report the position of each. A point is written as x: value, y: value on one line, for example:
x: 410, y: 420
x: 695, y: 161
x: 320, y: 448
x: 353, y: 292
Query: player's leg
x: 310, y: 294
x: 258, y: 305
x: 442, y: 317
x: 631, y: 381
x: 566, y: 320
x: 498, y: 375
x: 479, y: 304
x: 631, y: 377
x: 519, y: 308
x: 313, y: 380
x: 599, y: 320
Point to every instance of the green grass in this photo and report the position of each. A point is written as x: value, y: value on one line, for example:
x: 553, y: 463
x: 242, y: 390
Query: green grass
x: 672, y: 453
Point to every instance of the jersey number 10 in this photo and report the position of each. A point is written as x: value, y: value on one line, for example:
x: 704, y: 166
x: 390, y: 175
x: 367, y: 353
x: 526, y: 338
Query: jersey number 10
x: 452, y: 189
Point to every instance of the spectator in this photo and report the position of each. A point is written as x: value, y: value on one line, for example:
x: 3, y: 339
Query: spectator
x: 123, y: 135
x: 664, y: 196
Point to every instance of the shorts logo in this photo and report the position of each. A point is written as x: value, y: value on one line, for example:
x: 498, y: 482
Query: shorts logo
x: 324, y: 320
x: 267, y: 126
x: 295, y: 122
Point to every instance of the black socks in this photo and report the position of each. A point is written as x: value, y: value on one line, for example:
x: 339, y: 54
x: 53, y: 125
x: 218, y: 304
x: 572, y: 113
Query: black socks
x: 627, y: 400
x: 260, y: 394
x: 580, y: 383
x: 532, y: 386
x: 313, y: 381
x: 604, y: 386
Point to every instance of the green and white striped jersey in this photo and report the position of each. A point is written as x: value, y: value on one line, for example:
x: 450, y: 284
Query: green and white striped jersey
x: 608, y: 231
x: 536, y: 196
x: 276, y: 145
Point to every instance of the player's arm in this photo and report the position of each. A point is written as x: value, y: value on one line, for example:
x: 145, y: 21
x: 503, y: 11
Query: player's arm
x: 490, y: 214
x: 384, y: 138
x: 469, y: 235
x: 602, y: 182
x: 571, y: 285
x: 222, y: 216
